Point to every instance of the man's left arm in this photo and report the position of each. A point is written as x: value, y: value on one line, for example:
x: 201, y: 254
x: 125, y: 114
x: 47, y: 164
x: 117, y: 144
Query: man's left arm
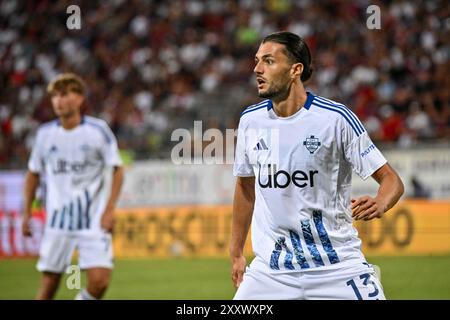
x: 107, y: 221
x: 389, y: 192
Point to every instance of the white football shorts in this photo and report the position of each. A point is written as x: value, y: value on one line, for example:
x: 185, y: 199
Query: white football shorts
x: 355, y: 282
x: 57, y: 248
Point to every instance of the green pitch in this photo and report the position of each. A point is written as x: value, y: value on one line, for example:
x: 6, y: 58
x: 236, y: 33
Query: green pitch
x: 402, y: 277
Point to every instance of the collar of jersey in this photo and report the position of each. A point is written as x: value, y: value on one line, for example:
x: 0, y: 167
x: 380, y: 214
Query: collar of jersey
x: 307, y: 105
x: 58, y: 122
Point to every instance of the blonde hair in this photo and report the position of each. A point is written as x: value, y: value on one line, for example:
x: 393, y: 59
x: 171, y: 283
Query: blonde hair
x: 66, y: 82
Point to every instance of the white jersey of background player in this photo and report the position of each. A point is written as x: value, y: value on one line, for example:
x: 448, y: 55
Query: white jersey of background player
x: 294, y: 160
x: 76, y: 165
x: 76, y: 154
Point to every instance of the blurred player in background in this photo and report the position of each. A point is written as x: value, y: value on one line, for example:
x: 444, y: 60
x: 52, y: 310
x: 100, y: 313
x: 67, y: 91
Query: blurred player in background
x: 296, y: 189
x: 78, y: 156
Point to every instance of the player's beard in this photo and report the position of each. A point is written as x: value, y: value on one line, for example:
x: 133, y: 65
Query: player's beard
x: 277, y: 91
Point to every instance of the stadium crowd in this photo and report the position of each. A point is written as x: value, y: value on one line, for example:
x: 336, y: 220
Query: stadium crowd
x: 147, y: 63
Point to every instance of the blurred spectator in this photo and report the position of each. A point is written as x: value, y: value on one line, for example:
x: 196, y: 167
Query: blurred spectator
x: 152, y: 66
x: 418, y: 122
x: 419, y: 190
x: 392, y: 123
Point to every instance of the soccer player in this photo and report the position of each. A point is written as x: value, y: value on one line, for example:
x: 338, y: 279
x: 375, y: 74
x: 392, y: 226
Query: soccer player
x: 77, y: 155
x: 294, y: 158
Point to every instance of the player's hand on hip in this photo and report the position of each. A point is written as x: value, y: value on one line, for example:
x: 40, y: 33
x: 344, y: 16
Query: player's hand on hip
x: 238, y: 265
x: 107, y: 222
x: 26, y: 227
x: 367, y: 208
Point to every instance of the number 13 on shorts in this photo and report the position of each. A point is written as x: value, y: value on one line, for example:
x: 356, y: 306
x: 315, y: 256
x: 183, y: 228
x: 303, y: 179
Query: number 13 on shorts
x: 366, y: 286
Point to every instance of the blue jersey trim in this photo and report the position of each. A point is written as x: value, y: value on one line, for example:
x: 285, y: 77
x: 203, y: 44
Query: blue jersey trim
x: 310, y: 244
x: 275, y: 256
x: 323, y: 235
x: 309, y: 99
x: 80, y: 214
x: 298, y: 250
x: 268, y: 103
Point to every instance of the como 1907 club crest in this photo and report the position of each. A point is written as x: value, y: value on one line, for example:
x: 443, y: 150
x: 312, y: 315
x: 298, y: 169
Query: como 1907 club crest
x: 312, y: 144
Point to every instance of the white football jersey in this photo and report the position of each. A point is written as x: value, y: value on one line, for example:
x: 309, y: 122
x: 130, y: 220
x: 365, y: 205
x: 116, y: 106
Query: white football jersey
x: 77, y: 166
x: 302, y: 166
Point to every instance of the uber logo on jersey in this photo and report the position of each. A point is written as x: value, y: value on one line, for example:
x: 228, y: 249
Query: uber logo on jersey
x: 62, y: 166
x: 312, y: 144
x: 282, y: 179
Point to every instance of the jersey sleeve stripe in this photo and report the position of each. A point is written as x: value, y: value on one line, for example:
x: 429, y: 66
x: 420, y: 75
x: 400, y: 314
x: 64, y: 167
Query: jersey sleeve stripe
x: 350, y: 112
x: 341, y: 113
x: 248, y: 111
x: 347, y: 111
x: 49, y: 124
x: 257, y: 105
x: 102, y: 130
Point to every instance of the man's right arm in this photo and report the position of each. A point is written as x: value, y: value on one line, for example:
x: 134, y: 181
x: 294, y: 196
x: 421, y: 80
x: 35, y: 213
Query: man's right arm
x: 244, y: 200
x: 31, y: 185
